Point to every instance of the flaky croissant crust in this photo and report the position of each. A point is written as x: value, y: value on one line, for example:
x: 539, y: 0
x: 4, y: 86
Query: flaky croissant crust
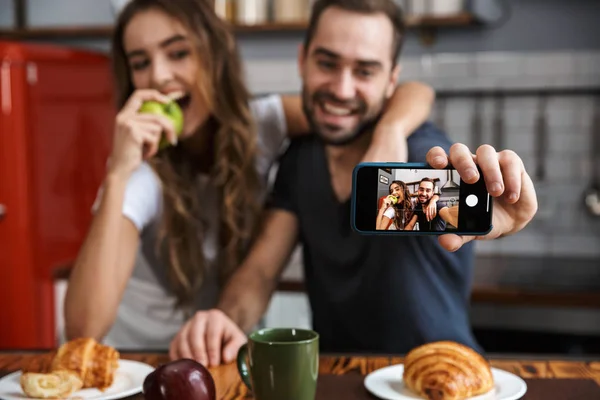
x: 81, y: 360
x: 447, y: 370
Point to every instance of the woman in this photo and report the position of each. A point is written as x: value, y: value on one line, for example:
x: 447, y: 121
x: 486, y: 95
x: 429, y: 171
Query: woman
x: 395, y: 215
x: 171, y: 225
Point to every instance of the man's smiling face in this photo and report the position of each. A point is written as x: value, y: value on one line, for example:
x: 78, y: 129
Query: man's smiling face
x: 347, y: 73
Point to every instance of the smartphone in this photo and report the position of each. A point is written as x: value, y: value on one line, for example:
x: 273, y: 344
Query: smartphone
x: 395, y: 199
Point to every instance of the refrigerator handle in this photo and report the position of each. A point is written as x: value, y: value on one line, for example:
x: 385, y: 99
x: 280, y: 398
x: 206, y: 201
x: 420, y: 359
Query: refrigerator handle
x: 2, y: 211
x: 5, y: 93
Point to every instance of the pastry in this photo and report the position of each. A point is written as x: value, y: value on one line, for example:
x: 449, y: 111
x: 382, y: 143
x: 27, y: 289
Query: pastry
x: 55, y: 385
x: 94, y: 363
x: 447, y: 370
x: 78, y: 364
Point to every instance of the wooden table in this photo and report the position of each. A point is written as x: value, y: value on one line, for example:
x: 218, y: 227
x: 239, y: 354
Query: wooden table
x: 341, y: 377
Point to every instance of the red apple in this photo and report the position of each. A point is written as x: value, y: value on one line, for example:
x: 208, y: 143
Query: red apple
x: 182, y: 379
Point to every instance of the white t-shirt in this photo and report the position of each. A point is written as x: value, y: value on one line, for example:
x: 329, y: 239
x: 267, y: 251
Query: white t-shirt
x: 391, y: 213
x: 146, y: 318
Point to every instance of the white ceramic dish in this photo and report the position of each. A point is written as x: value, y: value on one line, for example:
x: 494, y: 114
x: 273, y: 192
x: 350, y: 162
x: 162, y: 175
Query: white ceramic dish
x: 129, y: 379
x: 386, y: 383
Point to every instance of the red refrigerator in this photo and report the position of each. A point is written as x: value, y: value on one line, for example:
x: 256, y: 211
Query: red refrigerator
x: 56, y: 123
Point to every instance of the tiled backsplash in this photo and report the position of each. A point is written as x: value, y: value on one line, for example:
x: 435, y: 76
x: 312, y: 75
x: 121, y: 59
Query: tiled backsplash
x: 562, y: 226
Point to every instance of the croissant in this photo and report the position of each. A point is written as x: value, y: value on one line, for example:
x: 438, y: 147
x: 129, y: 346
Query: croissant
x: 79, y: 363
x: 94, y: 363
x: 447, y: 370
x: 58, y: 384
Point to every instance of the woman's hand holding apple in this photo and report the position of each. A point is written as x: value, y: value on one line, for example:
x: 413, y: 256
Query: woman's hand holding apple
x: 137, y: 135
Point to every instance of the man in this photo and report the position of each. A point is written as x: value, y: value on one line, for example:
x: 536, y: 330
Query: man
x: 425, y: 194
x: 378, y: 294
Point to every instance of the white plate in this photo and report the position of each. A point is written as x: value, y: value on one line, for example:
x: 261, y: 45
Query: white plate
x: 386, y: 383
x: 129, y: 379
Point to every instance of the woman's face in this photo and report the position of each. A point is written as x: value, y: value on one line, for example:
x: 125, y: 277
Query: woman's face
x: 396, y: 191
x: 161, y: 56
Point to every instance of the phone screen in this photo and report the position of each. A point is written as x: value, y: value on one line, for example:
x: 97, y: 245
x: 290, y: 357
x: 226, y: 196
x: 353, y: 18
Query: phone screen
x: 418, y: 199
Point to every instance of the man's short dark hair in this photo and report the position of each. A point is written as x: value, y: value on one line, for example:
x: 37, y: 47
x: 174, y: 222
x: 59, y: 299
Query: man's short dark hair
x: 387, y: 7
x: 427, y: 180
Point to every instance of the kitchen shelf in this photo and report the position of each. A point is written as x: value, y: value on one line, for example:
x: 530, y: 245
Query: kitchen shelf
x: 104, y: 31
x: 458, y: 20
x: 70, y: 32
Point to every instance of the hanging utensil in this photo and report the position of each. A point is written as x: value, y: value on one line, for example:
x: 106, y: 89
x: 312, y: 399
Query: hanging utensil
x: 545, y: 191
x: 498, y: 127
x: 592, y: 193
x: 541, y: 145
x: 476, y: 124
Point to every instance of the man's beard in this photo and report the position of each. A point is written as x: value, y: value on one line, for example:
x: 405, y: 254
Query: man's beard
x: 425, y: 201
x: 365, y: 125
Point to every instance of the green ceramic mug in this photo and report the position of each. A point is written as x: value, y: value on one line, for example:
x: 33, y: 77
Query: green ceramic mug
x: 280, y: 363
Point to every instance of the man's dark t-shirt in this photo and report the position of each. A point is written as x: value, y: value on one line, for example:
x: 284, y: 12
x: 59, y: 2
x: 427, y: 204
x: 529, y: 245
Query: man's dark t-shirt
x: 377, y: 294
x: 435, y: 225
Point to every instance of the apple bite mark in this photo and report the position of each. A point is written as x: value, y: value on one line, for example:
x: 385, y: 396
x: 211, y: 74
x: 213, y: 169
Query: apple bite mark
x: 182, y: 99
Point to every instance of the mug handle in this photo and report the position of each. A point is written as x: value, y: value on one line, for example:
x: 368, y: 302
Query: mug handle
x: 242, y: 365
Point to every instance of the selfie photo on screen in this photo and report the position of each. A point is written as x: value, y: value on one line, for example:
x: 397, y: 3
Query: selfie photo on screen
x: 417, y: 200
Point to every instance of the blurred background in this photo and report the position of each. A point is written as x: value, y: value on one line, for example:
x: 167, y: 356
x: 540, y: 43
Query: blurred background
x: 517, y: 74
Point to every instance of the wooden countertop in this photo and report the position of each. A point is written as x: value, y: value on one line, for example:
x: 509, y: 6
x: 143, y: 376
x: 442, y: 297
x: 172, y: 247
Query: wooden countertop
x: 341, y: 377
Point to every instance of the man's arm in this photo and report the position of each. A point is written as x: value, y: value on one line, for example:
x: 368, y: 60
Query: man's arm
x: 247, y: 294
x: 408, y: 108
x: 411, y: 225
x: 296, y: 121
x: 431, y: 209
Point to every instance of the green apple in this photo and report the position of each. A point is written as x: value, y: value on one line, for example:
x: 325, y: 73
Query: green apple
x: 170, y: 110
x: 393, y: 199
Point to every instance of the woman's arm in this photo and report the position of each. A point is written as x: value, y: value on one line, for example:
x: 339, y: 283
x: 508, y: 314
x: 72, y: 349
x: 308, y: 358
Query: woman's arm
x: 408, y: 108
x: 103, y: 267
x: 106, y: 259
x: 383, y: 221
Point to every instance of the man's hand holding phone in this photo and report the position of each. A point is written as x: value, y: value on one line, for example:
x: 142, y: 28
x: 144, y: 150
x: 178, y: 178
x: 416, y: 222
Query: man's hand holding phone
x: 515, y: 201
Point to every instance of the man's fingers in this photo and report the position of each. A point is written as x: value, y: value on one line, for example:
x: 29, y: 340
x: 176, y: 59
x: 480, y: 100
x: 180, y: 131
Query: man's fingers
x: 452, y: 242
x: 173, y: 351
x: 182, y: 347
x: 214, y: 337
x: 463, y: 161
x: 196, y: 337
x: 487, y: 159
x: 231, y: 348
x: 437, y: 157
x: 431, y: 211
x: 512, y: 170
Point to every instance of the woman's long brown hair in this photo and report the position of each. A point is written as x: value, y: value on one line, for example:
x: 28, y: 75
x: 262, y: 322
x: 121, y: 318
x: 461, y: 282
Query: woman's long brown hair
x: 404, y: 208
x: 233, y: 172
